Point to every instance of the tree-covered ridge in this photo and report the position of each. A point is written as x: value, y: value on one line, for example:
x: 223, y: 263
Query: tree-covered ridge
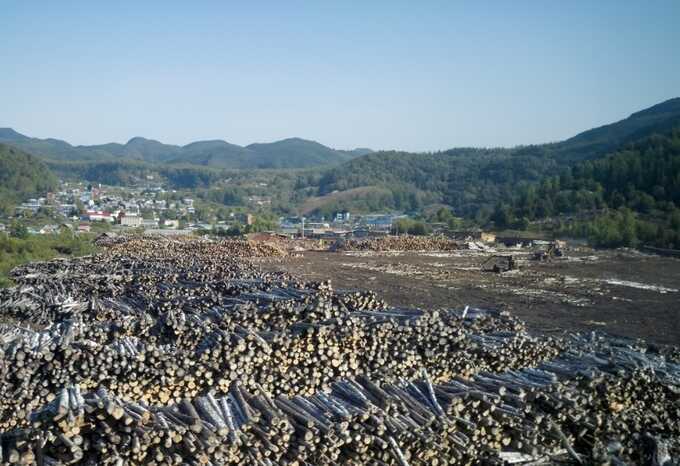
x: 285, y: 154
x: 22, y: 176
x: 634, y: 191
x: 412, y: 180
x: 471, y: 181
x: 130, y: 172
x: 659, y: 118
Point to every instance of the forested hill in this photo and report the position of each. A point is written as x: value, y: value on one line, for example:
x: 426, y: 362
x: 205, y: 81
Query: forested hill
x: 632, y: 196
x: 288, y: 153
x: 657, y: 119
x: 472, y: 181
x: 22, y: 176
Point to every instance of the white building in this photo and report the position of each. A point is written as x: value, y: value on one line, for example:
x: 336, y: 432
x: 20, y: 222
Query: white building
x: 128, y: 220
x: 150, y: 223
x: 99, y: 216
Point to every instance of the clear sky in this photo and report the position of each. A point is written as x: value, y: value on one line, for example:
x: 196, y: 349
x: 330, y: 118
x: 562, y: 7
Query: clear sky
x: 382, y: 74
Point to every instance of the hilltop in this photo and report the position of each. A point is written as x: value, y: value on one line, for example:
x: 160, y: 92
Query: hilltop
x: 287, y: 153
x: 473, y: 180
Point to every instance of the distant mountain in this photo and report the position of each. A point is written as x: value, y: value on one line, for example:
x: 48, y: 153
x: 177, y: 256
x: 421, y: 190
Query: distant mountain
x: 288, y: 153
x: 656, y: 119
x: 359, y: 151
x: 295, y: 153
x: 218, y: 154
x: 139, y: 148
x: 22, y: 176
x: 468, y: 179
x: 10, y: 135
x: 48, y: 148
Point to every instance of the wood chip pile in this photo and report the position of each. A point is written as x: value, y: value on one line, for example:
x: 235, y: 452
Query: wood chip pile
x: 184, y: 352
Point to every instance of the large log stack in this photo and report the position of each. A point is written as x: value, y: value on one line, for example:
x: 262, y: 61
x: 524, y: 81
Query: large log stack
x: 184, y: 352
x: 399, y: 243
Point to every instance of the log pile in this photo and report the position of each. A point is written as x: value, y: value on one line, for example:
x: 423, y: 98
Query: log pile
x: 399, y: 243
x: 184, y: 352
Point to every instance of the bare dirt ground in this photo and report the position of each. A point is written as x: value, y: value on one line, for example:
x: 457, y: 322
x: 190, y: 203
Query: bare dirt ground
x: 620, y: 292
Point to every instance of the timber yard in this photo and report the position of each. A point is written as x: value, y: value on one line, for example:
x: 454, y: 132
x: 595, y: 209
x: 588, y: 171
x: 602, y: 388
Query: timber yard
x: 623, y: 291
x: 386, y: 351
x: 340, y: 234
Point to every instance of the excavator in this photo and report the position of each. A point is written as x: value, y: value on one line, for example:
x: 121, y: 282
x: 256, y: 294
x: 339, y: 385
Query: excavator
x: 554, y: 250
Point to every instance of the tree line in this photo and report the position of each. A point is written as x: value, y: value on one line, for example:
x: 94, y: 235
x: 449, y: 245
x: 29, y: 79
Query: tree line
x: 629, y: 197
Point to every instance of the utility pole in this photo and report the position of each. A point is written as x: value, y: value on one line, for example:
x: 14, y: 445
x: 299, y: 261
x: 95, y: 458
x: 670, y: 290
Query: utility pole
x: 303, y: 228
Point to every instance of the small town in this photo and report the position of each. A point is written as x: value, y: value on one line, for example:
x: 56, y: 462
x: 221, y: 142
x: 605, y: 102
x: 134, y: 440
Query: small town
x: 84, y: 208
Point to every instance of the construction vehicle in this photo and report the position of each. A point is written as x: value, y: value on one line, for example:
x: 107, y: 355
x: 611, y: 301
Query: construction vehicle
x: 499, y: 264
x: 554, y: 250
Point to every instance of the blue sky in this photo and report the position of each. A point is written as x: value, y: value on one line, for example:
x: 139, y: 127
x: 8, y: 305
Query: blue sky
x: 386, y: 75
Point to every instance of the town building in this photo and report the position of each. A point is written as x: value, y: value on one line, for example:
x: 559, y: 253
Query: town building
x: 32, y: 204
x: 341, y: 217
x: 380, y: 221
x: 129, y: 220
x: 150, y: 223
x: 98, y: 216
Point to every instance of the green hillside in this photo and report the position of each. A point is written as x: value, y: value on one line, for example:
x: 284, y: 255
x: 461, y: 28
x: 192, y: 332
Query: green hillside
x: 139, y: 148
x: 22, y: 176
x: 308, y: 176
x: 130, y: 172
x: 658, y: 118
x: 218, y: 154
x: 472, y: 181
x: 295, y: 153
x: 629, y: 197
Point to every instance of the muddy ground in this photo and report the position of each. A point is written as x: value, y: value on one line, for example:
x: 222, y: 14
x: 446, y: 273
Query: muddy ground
x: 621, y: 292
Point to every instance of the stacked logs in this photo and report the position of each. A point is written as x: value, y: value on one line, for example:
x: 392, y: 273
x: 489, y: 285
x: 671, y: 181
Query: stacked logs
x: 399, y: 243
x: 494, y: 418
x: 180, y: 352
x: 183, y: 354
